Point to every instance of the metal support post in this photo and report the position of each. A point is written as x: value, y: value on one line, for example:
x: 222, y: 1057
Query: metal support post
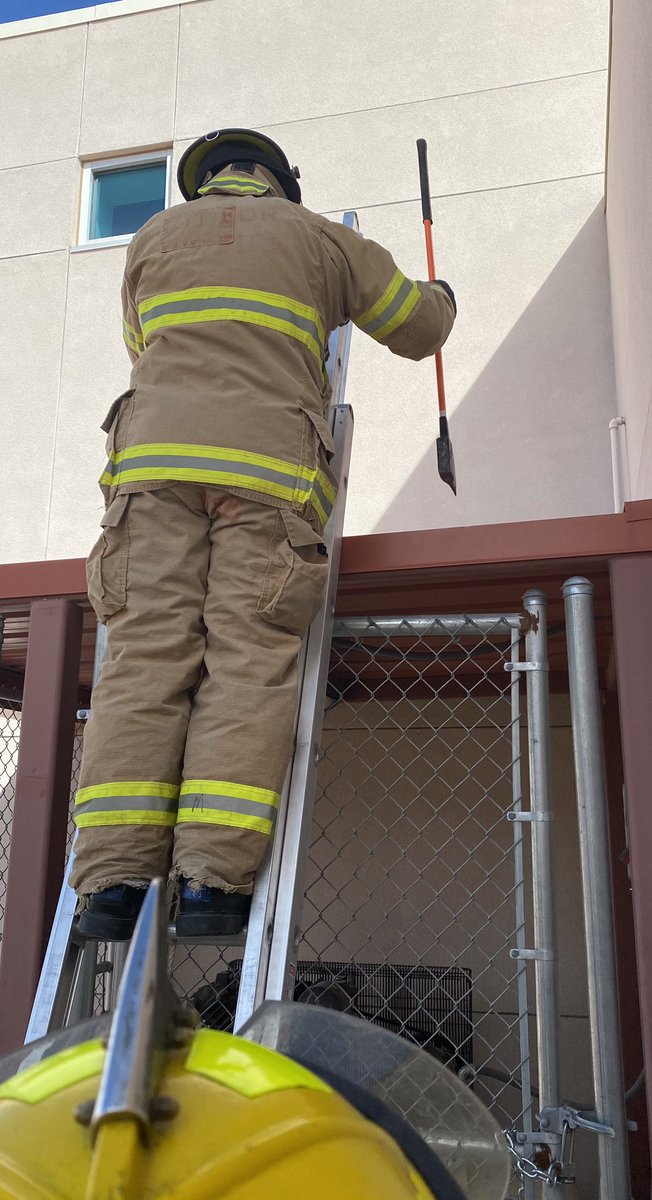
x: 520, y: 933
x: 596, y: 879
x: 63, y: 995
x: 38, y: 835
x: 545, y: 968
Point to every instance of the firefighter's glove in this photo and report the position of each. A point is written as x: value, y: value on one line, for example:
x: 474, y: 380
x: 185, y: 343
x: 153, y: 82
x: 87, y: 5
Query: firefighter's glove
x: 449, y: 292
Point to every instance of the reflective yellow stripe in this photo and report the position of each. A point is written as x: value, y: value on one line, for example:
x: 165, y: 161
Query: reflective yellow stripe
x: 125, y: 817
x: 218, y: 802
x: 132, y: 787
x: 381, y: 304
x: 401, y: 315
x: 236, y: 183
x: 269, y: 310
x: 133, y: 338
x: 245, y: 1067
x: 222, y: 466
x: 231, y: 820
x: 392, y: 309
x: 54, y: 1074
x: 131, y: 803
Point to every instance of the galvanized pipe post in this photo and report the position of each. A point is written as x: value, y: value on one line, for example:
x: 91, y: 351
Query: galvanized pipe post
x: 545, y: 962
x: 590, y: 781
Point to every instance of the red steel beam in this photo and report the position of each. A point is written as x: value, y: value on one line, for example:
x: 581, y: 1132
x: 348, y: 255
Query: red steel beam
x: 464, y: 548
x: 40, y: 819
x: 631, y: 589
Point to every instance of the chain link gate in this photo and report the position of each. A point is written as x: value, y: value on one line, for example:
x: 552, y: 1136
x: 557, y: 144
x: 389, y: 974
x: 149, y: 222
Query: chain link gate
x: 417, y: 912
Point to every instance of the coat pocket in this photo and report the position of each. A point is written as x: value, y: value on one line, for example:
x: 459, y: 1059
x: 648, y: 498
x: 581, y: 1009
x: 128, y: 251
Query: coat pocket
x: 296, y: 575
x: 106, y: 567
x: 115, y: 425
x: 322, y: 429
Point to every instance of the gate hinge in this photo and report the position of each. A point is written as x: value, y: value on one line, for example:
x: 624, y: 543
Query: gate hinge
x: 525, y: 666
x: 535, y: 955
x: 528, y: 815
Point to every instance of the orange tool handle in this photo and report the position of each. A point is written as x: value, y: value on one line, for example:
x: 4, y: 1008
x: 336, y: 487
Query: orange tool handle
x: 422, y: 151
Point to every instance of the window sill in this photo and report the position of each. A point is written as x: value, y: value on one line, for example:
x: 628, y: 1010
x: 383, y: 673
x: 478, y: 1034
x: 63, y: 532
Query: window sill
x: 102, y: 243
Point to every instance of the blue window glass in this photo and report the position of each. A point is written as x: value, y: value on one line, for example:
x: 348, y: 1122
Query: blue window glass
x: 124, y: 199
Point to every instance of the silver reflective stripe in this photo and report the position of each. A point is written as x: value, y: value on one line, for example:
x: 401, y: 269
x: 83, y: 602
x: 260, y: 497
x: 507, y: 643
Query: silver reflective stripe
x: 246, y: 808
x: 217, y: 465
x: 391, y: 309
x: 122, y: 803
x: 323, y: 499
x: 235, y: 303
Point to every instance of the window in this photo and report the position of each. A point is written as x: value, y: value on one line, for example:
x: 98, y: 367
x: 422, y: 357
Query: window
x: 121, y: 194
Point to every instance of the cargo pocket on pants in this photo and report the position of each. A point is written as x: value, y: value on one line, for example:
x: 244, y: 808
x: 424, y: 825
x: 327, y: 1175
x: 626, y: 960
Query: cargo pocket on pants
x: 296, y: 575
x: 106, y: 567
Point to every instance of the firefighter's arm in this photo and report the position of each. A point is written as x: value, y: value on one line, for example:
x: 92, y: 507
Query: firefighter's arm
x: 412, y: 318
x: 131, y: 331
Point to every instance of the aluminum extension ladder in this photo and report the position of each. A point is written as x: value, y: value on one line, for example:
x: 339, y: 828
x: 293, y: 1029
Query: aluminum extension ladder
x: 66, y: 988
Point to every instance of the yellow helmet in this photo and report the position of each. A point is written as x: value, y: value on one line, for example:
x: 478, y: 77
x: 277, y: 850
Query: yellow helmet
x: 178, y: 1113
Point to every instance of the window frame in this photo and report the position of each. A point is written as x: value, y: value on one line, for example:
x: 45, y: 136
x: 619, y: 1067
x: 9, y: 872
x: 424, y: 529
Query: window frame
x: 102, y: 166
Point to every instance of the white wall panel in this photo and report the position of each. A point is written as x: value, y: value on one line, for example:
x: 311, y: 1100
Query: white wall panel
x: 243, y: 63
x: 529, y: 367
x: 630, y: 231
x: 32, y: 308
x: 95, y: 370
x: 40, y: 96
x: 490, y: 140
x: 130, y: 82
x: 39, y: 207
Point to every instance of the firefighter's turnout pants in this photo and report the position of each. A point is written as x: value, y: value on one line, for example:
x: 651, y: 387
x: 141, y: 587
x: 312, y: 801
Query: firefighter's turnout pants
x: 206, y: 597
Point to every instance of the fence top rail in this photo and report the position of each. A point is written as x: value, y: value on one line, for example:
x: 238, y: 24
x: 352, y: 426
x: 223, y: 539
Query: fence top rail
x: 463, y: 625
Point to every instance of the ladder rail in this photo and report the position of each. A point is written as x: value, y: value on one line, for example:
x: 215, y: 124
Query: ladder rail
x: 279, y: 869
x: 255, y: 961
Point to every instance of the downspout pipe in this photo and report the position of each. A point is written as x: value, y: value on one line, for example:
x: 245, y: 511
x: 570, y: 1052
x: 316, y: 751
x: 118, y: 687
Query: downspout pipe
x: 619, y: 463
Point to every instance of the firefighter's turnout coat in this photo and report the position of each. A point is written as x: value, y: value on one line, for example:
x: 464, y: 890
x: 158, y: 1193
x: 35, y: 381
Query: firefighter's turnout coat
x: 218, y: 484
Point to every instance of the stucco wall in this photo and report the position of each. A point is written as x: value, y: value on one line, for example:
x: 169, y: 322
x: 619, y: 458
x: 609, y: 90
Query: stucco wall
x: 511, y: 97
x: 629, y: 187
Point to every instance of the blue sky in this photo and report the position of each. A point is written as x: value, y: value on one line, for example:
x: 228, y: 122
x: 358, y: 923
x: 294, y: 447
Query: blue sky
x: 18, y: 10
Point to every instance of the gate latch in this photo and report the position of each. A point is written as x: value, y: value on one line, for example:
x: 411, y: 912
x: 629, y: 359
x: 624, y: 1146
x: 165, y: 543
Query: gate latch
x: 556, y: 1118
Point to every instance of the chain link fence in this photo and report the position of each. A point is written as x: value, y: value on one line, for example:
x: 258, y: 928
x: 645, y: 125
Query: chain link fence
x: 10, y: 716
x: 414, y: 894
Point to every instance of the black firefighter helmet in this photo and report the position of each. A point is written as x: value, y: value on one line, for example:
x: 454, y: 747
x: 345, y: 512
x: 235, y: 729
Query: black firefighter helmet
x: 222, y: 147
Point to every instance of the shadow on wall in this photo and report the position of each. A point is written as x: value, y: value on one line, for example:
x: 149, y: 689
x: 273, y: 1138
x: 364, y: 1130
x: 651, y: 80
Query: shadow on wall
x: 535, y: 422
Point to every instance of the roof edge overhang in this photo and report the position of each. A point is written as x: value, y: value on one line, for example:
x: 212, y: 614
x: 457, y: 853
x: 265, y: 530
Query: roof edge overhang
x: 466, y: 553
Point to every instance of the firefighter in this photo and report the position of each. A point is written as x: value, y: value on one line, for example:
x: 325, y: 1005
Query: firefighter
x: 211, y: 562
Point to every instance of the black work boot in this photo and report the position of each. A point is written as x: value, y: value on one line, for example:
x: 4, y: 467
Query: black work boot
x: 211, y: 913
x: 111, y: 915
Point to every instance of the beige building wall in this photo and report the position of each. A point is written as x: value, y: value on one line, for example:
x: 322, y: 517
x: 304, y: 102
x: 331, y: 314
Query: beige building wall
x: 511, y: 96
x: 629, y: 187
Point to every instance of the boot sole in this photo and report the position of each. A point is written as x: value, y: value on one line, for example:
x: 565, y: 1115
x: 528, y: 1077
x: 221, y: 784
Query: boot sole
x: 210, y: 925
x: 102, y: 928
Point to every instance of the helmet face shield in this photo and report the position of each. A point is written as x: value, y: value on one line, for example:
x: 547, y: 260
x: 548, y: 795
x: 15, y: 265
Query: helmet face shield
x: 222, y: 147
x: 354, y: 1056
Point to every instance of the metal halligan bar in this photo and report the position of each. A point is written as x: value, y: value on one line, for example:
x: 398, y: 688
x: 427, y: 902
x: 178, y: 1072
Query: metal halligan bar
x: 538, y: 710
x: 591, y: 788
x: 424, y: 626
x: 519, y: 893
x: 61, y: 971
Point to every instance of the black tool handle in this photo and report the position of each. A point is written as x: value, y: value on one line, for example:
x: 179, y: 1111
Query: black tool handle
x: 422, y: 151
